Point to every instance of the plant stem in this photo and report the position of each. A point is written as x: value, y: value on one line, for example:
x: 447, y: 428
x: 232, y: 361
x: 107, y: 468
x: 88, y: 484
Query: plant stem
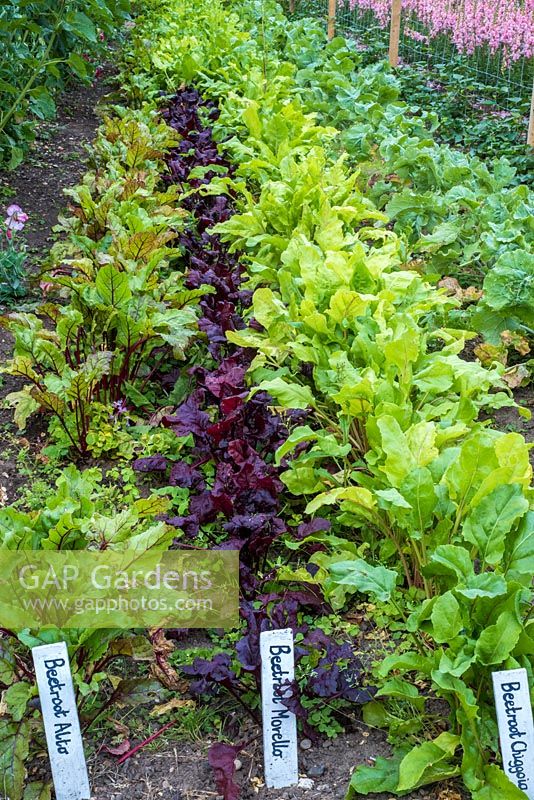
x: 150, y: 739
x: 29, y: 83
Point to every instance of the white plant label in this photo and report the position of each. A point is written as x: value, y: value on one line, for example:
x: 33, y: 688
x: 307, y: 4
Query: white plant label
x: 62, y: 727
x: 516, y: 731
x: 279, y: 724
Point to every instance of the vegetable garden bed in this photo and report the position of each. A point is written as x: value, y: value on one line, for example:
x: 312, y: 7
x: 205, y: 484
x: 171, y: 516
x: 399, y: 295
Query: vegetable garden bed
x: 243, y: 347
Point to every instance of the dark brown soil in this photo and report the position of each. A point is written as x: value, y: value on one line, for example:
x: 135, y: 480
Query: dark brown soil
x: 56, y: 161
x: 180, y: 771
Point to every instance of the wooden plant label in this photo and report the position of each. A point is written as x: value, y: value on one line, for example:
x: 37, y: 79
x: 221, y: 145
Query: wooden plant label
x: 279, y: 724
x: 62, y: 727
x: 516, y: 731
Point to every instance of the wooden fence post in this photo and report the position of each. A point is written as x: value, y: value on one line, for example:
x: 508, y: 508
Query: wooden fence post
x: 394, y: 34
x: 332, y: 18
x: 530, y: 136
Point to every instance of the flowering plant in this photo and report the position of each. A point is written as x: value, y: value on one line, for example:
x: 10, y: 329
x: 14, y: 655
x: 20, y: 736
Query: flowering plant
x: 12, y: 254
x: 15, y: 220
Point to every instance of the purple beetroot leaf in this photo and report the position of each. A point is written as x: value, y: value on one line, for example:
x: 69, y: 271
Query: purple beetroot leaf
x: 221, y: 758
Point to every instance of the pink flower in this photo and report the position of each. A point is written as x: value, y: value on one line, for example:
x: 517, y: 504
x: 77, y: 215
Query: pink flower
x: 416, y: 35
x: 16, y: 218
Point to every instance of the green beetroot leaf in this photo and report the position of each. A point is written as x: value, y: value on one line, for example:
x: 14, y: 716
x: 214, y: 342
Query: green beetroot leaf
x: 14, y: 748
x: 429, y: 762
x: 492, y: 519
x: 382, y: 777
x: 37, y: 790
x: 362, y: 577
x: 510, y: 284
x: 446, y: 618
x: 498, y: 786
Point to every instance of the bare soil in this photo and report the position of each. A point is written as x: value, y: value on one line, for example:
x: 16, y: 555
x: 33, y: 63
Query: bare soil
x: 56, y: 161
x: 180, y: 771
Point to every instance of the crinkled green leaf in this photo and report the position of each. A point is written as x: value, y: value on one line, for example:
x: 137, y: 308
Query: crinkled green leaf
x: 510, y: 285
x: 16, y: 698
x: 112, y: 286
x: 24, y: 404
x: 14, y: 748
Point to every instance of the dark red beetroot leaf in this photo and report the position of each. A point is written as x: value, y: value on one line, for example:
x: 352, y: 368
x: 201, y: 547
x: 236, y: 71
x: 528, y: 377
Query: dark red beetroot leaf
x: 119, y: 749
x: 186, y: 476
x: 221, y: 758
x: 239, y: 435
x: 189, y: 418
x: 314, y: 526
